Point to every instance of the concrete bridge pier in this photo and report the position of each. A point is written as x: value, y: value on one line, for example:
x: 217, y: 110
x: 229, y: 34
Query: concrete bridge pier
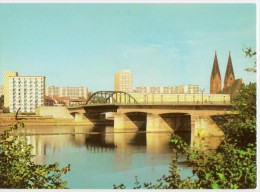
x: 202, y: 129
x: 157, y: 123
x: 79, y: 117
x: 122, y: 122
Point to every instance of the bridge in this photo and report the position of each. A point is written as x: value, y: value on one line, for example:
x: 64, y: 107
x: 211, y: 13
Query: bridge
x: 130, y: 114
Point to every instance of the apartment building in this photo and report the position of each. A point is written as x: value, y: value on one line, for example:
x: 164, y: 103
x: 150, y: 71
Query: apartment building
x: 26, y: 93
x: 191, y: 89
x: 7, y: 74
x: 71, y: 92
x: 123, y: 81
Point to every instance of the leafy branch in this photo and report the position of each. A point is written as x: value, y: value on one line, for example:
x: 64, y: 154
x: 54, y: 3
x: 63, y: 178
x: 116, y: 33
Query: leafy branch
x: 18, y: 171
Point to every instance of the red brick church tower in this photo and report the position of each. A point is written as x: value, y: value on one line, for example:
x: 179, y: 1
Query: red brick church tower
x: 229, y: 76
x: 215, y: 78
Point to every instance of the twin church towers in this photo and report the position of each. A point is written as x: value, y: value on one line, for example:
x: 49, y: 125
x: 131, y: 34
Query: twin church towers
x: 215, y: 78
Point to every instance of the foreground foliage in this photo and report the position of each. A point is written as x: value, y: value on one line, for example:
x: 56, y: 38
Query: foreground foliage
x: 231, y: 166
x: 1, y: 101
x: 17, y: 170
x: 249, y: 52
x: 240, y: 129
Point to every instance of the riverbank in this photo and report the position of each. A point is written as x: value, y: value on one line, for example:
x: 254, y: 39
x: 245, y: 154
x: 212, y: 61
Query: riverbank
x: 9, y: 118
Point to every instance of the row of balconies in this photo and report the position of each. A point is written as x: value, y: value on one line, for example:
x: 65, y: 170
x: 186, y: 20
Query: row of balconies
x: 24, y: 82
x: 31, y: 102
x: 20, y: 88
x: 27, y: 96
x: 28, y: 81
x: 26, y: 85
x: 23, y: 92
x: 32, y: 94
x: 26, y: 92
x: 25, y: 106
x: 22, y: 109
x: 25, y: 101
x: 14, y: 94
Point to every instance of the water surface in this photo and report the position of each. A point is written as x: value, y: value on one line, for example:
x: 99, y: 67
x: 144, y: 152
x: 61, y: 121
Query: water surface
x: 100, y: 158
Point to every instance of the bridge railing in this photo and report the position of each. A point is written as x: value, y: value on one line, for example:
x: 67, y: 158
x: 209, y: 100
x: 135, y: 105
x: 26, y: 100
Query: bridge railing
x: 169, y: 103
x: 187, y: 103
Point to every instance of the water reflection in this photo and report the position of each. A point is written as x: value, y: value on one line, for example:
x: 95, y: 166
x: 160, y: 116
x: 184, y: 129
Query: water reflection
x: 50, y: 140
x: 100, y: 157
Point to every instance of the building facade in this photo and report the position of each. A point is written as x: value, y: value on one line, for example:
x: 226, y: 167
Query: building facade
x: 191, y: 89
x: 170, y: 89
x: 6, y: 87
x: 26, y: 93
x: 123, y: 81
x: 186, y: 89
x: 71, y: 92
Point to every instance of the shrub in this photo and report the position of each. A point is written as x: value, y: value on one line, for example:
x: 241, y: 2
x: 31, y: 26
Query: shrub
x: 17, y: 170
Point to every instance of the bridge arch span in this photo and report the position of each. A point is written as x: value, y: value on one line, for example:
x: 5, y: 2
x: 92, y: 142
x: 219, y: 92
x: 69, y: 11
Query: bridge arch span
x: 178, y: 122
x: 139, y: 119
x: 111, y: 97
x: 77, y: 116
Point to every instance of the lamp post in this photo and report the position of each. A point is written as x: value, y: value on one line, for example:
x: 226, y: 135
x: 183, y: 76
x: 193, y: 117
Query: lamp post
x: 202, y: 90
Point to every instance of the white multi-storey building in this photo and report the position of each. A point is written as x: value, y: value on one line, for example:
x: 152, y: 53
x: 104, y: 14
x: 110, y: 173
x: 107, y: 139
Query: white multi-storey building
x: 71, y: 92
x: 7, y: 74
x: 26, y: 93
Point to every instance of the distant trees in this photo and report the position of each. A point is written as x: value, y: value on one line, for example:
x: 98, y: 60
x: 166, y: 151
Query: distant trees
x: 1, y: 101
x: 18, y: 171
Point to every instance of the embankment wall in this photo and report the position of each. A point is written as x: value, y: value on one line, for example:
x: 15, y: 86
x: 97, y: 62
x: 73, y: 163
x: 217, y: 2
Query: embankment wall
x: 56, y: 112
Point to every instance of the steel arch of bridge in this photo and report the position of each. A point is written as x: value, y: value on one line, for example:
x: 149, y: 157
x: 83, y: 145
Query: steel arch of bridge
x: 111, y: 97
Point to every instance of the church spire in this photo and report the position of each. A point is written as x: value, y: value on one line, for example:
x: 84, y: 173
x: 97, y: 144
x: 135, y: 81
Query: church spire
x: 215, y: 78
x: 229, y: 76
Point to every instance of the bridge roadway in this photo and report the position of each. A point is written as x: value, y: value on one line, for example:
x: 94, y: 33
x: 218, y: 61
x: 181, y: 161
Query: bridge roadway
x: 157, y: 117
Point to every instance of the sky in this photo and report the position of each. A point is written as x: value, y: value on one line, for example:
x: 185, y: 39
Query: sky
x: 162, y: 44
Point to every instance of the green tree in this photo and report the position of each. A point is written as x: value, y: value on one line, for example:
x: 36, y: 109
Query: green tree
x: 240, y: 128
x: 1, y: 101
x: 17, y: 170
x: 250, y: 53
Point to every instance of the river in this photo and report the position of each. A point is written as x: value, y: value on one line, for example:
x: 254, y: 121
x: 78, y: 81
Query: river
x: 100, y: 158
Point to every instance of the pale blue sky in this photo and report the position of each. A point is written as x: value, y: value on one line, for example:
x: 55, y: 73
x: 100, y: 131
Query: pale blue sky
x: 162, y: 44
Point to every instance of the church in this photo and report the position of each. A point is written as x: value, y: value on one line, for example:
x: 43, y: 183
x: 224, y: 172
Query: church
x: 231, y: 85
